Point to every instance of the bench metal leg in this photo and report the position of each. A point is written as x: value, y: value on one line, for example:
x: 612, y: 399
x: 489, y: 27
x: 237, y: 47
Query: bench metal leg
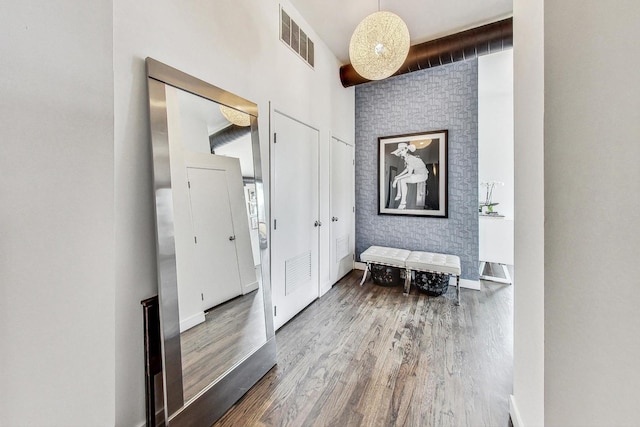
x: 407, y: 282
x: 457, y: 290
x: 364, y: 276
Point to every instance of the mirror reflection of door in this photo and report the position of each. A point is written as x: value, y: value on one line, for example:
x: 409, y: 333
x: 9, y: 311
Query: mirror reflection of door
x: 295, y: 210
x: 207, y: 138
x: 221, y: 308
x: 342, y: 209
x: 215, y: 257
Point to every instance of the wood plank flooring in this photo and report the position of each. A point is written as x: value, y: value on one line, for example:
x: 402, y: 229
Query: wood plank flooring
x: 369, y: 356
x: 230, y: 332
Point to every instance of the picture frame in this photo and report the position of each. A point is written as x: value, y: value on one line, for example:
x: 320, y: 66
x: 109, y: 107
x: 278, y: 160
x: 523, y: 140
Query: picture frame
x: 413, y: 174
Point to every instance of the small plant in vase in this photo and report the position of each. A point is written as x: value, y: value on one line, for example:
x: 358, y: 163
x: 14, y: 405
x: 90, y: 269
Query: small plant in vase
x: 488, y: 201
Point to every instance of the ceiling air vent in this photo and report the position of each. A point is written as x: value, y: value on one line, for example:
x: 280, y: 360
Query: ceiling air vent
x: 295, y: 38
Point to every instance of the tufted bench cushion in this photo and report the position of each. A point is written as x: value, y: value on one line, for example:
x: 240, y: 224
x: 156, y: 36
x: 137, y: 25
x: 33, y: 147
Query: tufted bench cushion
x: 387, y: 256
x: 428, y: 261
x: 412, y: 261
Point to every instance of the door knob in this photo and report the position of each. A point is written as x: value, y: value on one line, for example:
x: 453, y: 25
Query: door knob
x: 334, y: 218
x: 232, y: 238
x: 316, y: 224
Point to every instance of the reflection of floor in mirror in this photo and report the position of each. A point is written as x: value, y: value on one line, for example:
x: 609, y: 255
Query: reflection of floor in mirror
x: 368, y: 355
x: 230, y: 331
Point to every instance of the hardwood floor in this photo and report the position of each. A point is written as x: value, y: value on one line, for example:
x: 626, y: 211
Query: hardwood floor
x: 369, y: 356
x: 230, y: 331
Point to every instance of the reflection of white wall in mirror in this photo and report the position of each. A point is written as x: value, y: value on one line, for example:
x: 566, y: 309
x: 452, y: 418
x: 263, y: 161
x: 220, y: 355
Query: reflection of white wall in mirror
x: 240, y: 148
x: 189, y: 299
x: 195, y: 136
x: 200, y: 118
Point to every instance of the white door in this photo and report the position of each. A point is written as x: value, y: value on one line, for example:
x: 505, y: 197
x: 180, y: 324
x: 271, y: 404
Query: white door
x: 295, y: 217
x: 215, y: 263
x: 342, y: 209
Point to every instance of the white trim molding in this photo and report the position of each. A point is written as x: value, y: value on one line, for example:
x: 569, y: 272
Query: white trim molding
x: 192, y: 321
x: 250, y: 287
x: 324, y: 288
x: 465, y: 283
x: 514, y: 413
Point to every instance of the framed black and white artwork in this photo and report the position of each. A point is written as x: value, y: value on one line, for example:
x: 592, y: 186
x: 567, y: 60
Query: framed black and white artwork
x: 412, y: 174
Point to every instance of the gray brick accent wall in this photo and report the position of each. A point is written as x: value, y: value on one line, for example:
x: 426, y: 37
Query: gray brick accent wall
x: 444, y: 97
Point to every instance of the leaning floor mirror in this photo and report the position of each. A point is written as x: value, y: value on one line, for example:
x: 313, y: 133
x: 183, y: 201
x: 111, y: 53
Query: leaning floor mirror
x: 213, y: 265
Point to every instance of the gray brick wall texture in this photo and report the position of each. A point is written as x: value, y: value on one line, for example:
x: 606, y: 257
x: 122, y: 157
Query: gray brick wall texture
x: 444, y: 97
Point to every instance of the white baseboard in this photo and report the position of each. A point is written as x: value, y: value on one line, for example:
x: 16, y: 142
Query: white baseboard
x: 515, y: 414
x: 192, y: 321
x: 250, y: 287
x: 359, y: 265
x: 465, y: 283
x: 325, y: 288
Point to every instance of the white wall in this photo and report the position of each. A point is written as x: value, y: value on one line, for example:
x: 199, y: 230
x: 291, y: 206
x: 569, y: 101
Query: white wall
x: 57, y: 309
x: 576, y: 353
x: 187, y: 131
x: 495, y: 154
x: 528, y: 366
x: 592, y: 213
x: 76, y: 238
x: 495, y: 128
x: 234, y: 45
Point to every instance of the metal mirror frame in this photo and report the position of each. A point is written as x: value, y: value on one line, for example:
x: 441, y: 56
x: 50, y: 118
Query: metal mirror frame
x: 212, y: 402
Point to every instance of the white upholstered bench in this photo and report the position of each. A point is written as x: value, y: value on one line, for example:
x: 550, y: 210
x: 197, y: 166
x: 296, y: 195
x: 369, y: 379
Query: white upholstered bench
x: 412, y: 261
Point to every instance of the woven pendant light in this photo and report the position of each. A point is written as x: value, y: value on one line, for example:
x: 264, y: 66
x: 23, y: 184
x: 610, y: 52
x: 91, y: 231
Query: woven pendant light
x: 379, y: 45
x: 236, y: 117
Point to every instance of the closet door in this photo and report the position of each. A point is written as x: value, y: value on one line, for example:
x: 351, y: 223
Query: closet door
x: 215, y: 259
x: 342, y: 209
x: 295, y: 217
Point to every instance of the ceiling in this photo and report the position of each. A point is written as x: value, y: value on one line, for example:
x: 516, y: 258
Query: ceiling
x: 335, y: 20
